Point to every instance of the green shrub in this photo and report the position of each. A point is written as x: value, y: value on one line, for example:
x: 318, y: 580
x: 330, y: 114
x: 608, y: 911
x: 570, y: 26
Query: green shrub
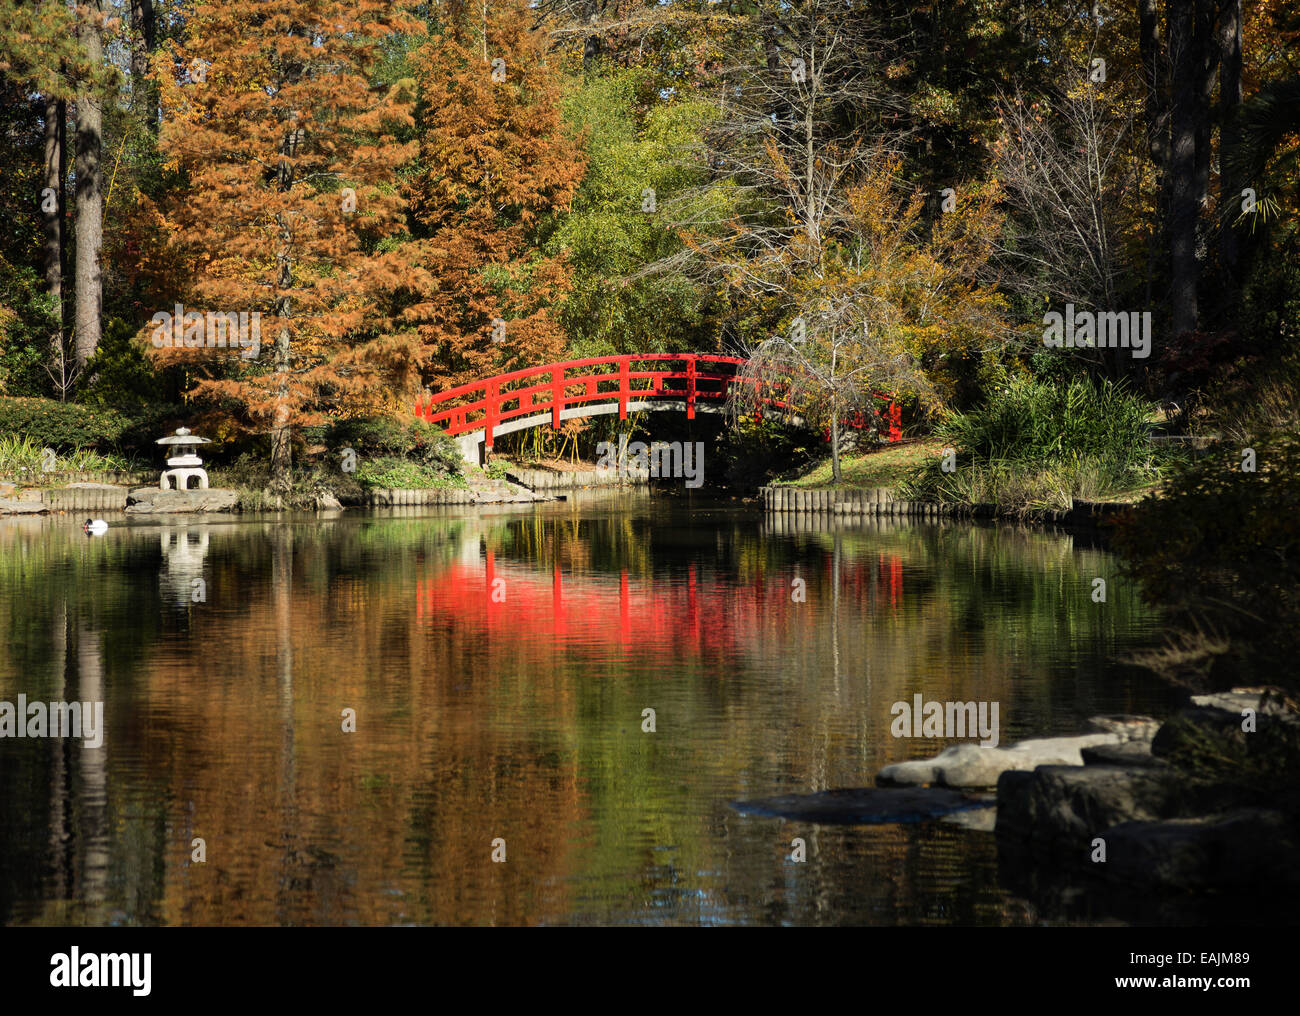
x: 143, y: 428
x: 383, y: 437
x: 25, y: 331
x: 1270, y: 305
x: 386, y: 473
x: 23, y: 458
x: 1036, y: 445
x: 751, y: 452
x: 61, y: 425
x: 1020, y: 485
x: 1029, y: 419
x: 120, y: 374
x: 250, y: 475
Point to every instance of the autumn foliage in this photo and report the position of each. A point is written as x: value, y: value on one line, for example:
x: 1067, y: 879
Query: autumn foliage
x: 495, y: 164
x: 380, y: 226
x: 288, y: 152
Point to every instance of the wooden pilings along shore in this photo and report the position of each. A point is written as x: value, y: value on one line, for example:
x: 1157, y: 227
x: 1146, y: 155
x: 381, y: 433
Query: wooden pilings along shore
x: 398, y: 498
x: 880, y: 501
x: 851, y: 501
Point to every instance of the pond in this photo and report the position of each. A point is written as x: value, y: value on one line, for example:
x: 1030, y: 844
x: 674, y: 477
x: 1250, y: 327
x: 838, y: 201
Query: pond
x: 439, y: 716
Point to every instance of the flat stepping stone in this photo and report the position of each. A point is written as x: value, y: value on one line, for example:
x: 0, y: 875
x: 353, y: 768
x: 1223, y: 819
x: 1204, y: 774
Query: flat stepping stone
x: 974, y: 765
x: 8, y: 507
x: 1126, y: 726
x: 152, y: 501
x: 863, y: 805
x: 1127, y: 753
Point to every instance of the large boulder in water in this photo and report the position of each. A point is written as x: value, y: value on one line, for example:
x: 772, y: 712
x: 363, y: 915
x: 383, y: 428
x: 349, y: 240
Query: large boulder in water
x: 1061, y: 809
x: 1237, y: 849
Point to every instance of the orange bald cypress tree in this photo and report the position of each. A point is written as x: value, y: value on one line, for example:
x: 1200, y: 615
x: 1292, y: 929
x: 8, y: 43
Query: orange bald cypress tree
x: 496, y: 165
x: 287, y: 149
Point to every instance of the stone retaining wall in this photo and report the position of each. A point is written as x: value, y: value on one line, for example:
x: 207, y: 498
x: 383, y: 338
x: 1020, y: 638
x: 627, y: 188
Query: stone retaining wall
x: 65, y: 477
x: 545, y: 479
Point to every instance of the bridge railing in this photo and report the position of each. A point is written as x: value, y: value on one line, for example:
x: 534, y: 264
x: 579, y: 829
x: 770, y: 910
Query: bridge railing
x: 691, y: 377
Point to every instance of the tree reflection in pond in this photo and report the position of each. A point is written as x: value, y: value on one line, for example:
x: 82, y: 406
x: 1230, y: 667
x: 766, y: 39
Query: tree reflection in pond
x: 499, y: 665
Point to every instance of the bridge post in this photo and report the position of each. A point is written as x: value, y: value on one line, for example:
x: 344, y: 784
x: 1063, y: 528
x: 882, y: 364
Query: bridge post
x: 624, y: 386
x: 557, y: 395
x: 492, y: 407
x: 690, y: 387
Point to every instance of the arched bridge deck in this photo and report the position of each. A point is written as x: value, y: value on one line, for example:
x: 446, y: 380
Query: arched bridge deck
x: 478, y: 412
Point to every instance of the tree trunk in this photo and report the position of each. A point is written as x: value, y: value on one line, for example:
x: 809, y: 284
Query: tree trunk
x: 1207, y: 76
x: 1228, y: 43
x: 1183, y: 204
x: 1155, y: 75
x: 144, y: 97
x: 281, y: 427
x: 1155, y: 78
x: 89, y: 193
x: 281, y: 431
x: 52, y: 217
x: 836, y: 475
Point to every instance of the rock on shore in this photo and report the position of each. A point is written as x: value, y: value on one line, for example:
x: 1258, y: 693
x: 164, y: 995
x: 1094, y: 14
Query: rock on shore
x: 1204, y: 806
x: 153, y: 501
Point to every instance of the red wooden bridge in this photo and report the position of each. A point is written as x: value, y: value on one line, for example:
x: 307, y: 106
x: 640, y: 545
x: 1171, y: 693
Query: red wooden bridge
x: 484, y: 410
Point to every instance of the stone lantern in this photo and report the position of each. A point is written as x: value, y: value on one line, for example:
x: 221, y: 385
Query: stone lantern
x: 183, y: 462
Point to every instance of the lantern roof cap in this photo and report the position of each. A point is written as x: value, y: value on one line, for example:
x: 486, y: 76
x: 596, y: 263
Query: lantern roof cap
x: 183, y: 437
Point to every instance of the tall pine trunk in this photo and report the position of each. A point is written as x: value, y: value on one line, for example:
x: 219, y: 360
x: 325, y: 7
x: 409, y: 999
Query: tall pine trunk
x: 1228, y: 40
x: 1207, y: 78
x: 144, y: 96
x: 52, y: 220
x: 1183, y: 204
x: 89, y: 193
x: 1155, y: 79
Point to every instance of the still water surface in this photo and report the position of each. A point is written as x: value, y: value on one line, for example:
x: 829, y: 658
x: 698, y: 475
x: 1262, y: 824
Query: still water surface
x: 499, y: 664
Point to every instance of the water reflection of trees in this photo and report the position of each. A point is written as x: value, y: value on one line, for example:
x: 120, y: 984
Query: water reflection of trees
x: 479, y: 720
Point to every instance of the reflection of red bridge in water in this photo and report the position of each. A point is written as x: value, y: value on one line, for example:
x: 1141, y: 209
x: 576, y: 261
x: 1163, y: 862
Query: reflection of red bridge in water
x: 648, y: 612
x: 487, y: 409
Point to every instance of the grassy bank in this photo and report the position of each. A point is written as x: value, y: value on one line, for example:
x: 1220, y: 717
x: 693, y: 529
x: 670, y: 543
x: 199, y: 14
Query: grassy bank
x: 1033, y: 446
x: 1036, y: 445
x: 889, y: 466
x: 1021, y: 488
